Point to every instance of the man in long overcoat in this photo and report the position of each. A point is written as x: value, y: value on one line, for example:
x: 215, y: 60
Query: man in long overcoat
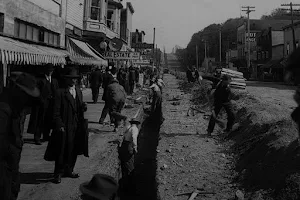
x: 96, y: 81
x: 42, y: 113
x: 132, y: 79
x: 67, y: 139
x: 13, y: 101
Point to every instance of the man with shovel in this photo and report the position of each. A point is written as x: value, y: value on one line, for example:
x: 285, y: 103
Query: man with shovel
x: 222, y: 97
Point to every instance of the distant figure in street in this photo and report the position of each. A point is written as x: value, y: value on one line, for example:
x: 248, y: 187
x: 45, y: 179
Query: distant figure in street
x: 132, y: 79
x: 189, y: 75
x: 196, y: 74
x: 66, y: 139
x: 222, y: 99
x: 95, y: 82
x: 13, y: 100
x: 127, y: 152
x: 156, y: 104
x: 115, y: 98
x: 107, y: 78
x: 41, y: 117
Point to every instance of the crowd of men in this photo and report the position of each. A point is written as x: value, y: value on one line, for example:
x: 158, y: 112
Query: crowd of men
x: 57, y: 117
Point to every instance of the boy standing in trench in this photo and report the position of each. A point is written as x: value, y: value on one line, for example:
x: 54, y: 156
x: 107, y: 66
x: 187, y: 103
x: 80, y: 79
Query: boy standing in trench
x: 222, y: 97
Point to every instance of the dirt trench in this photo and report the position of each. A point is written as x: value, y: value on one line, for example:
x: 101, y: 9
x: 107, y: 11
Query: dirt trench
x: 264, y: 144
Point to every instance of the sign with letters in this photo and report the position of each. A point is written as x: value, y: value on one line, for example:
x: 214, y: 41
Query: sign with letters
x: 142, y: 46
x: 122, y: 55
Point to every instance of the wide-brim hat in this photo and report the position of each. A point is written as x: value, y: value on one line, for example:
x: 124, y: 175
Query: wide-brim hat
x: 71, y: 73
x: 26, y: 82
x: 134, y: 121
x: 101, y: 187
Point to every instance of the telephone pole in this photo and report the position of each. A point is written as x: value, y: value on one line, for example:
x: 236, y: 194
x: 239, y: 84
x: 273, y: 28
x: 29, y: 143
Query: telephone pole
x: 153, y: 48
x: 248, y: 11
x: 292, y: 19
x: 220, y: 35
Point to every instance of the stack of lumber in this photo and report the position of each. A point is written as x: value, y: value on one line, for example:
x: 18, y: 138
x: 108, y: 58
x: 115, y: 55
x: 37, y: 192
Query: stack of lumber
x: 237, y: 79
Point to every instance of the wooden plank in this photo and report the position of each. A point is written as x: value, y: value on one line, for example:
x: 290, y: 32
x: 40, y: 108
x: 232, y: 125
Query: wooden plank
x: 232, y: 75
x: 237, y: 83
x: 238, y: 80
x: 232, y: 71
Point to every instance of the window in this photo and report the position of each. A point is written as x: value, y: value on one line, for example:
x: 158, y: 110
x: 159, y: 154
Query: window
x: 110, y: 22
x: 1, y: 22
x: 96, y: 10
x: 287, y: 49
x: 35, y: 33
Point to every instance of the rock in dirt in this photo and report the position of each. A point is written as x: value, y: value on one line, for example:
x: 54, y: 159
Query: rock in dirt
x: 239, y: 195
x: 176, y: 103
x: 256, y: 196
x: 168, y: 150
x: 164, y: 167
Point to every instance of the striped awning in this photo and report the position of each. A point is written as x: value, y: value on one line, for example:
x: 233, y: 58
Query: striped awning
x: 82, y: 53
x: 16, y: 52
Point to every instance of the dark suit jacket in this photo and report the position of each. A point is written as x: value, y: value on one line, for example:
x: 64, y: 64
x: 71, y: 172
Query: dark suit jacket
x: 96, y: 78
x: 70, y: 116
x: 45, y: 100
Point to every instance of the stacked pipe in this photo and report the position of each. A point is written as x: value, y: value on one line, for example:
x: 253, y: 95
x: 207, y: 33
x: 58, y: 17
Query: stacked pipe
x: 237, y: 79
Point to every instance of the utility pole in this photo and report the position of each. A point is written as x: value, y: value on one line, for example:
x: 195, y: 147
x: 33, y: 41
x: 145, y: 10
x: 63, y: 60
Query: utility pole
x: 220, y: 47
x: 153, y: 48
x: 248, y: 11
x: 292, y: 19
x: 197, y: 57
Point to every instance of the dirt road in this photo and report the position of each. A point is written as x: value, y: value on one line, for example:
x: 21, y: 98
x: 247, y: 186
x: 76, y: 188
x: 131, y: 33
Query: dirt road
x: 36, y: 174
x: 187, y: 158
x: 276, y: 94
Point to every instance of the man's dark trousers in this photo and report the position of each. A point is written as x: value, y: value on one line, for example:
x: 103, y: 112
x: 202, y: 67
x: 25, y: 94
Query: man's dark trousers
x: 230, y: 116
x: 95, y: 93
x: 105, y: 111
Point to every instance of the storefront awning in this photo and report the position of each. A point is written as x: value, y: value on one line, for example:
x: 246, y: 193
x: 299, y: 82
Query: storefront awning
x: 16, y: 52
x: 82, y: 53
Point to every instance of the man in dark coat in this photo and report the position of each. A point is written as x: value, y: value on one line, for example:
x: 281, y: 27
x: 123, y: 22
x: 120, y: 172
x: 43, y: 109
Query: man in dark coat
x: 115, y: 96
x: 13, y: 101
x: 41, y: 114
x: 132, y: 79
x: 189, y: 75
x: 222, y: 99
x: 108, y: 77
x: 96, y: 81
x: 66, y: 139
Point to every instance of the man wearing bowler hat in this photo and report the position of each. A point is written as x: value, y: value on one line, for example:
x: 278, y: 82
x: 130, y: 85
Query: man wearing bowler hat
x: 41, y: 114
x: 68, y: 115
x: 21, y: 93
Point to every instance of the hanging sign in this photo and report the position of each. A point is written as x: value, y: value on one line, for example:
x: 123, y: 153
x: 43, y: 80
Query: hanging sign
x: 142, y: 46
x: 122, y: 55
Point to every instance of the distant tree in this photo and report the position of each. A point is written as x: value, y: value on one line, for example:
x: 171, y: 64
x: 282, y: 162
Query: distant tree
x: 277, y: 13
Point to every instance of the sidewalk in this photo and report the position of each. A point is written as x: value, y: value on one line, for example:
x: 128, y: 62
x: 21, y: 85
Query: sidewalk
x: 37, y: 174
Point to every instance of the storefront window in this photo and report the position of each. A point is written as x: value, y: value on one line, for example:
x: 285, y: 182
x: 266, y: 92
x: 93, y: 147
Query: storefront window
x: 96, y: 10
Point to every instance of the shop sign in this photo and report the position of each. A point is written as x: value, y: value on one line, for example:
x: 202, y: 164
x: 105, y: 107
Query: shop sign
x: 122, y: 55
x: 142, y: 46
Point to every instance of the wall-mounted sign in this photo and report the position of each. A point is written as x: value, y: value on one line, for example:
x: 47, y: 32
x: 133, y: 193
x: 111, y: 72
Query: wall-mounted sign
x: 77, y: 31
x: 122, y: 55
x: 252, y: 37
x: 142, y: 46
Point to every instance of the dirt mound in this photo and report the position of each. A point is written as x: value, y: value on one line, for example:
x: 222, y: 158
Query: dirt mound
x: 265, y: 142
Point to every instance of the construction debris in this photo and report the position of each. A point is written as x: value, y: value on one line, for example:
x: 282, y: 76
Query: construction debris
x: 237, y: 78
x: 175, y: 103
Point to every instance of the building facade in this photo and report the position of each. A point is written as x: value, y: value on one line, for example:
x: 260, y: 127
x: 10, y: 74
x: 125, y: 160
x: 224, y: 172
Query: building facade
x: 126, y: 25
x: 288, y: 38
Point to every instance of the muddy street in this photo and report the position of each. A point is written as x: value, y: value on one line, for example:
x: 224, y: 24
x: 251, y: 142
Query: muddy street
x: 187, y: 158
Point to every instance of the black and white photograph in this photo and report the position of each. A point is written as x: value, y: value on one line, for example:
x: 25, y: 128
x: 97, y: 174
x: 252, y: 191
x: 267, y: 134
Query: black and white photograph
x: 149, y: 100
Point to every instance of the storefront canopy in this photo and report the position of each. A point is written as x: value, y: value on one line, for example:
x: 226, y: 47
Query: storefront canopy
x: 82, y: 53
x: 16, y: 52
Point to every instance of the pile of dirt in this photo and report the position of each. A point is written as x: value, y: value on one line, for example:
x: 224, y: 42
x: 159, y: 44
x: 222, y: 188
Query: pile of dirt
x: 265, y: 144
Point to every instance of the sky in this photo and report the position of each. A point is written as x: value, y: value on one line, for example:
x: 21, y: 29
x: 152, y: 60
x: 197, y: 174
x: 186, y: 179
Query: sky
x: 176, y: 21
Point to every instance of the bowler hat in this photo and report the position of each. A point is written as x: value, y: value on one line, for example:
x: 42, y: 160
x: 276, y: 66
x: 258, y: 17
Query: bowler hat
x: 101, y: 187
x: 134, y: 121
x: 26, y: 82
x: 71, y: 73
x: 48, y: 68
